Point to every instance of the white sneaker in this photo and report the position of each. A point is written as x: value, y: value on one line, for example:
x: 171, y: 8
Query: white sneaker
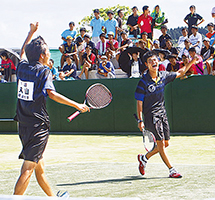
x: 64, y: 195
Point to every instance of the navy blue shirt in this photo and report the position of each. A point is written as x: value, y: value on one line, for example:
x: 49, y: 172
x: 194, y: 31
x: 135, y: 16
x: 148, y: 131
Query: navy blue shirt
x: 32, y: 81
x: 67, y: 68
x: 152, y: 93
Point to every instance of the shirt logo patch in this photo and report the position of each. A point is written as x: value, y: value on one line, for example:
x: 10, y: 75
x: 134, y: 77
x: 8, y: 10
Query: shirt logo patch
x: 151, y: 88
x: 25, y: 90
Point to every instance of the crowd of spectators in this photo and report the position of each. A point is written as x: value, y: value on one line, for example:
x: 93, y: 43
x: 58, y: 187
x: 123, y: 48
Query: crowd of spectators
x: 109, y: 40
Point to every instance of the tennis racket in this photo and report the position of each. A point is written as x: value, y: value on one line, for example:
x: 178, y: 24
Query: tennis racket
x: 149, y: 140
x: 97, y: 96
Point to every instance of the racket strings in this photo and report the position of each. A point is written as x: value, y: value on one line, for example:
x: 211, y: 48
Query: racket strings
x: 98, y: 97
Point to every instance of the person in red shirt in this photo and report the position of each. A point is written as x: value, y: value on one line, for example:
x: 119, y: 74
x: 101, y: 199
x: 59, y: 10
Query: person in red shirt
x: 192, y: 70
x: 88, y: 62
x: 145, y: 22
x: 211, y: 31
x: 6, y: 63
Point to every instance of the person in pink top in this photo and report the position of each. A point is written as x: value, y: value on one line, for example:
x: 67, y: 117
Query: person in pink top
x: 145, y: 22
x: 199, y: 63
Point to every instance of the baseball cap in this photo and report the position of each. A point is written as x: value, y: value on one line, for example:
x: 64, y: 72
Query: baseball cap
x: 96, y: 11
x: 110, y: 33
x: 193, y: 26
x: 206, y: 39
x: 156, y: 42
x: 69, y: 37
x: 211, y: 24
x: 103, y: 57
x: 86, y: 36
x: 164, y: 26
x: 110, y: 12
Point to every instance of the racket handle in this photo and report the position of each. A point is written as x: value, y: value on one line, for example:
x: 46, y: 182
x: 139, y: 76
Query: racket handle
x: 74, y: 115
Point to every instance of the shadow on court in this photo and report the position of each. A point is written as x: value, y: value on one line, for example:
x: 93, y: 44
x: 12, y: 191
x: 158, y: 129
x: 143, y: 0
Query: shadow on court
x: 125, y: 179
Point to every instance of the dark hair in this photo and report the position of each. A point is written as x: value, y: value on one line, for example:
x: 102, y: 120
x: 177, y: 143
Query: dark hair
x: 102, y: 35
x: 184, y: 29
x: 119, y: 11
x: 4, y: 54
x: 192, y: 49
x: 145, y: 8
x: 52, y: 61
x: 192, y: 6
x: 148, y: 54
x: 73, y: 23
x: 96, y: 11
x: 134, y: 7
x: 35, y: 48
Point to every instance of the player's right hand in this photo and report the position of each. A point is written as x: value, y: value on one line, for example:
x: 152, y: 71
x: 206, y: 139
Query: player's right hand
x: 141, y: 126
x: 83, y: 108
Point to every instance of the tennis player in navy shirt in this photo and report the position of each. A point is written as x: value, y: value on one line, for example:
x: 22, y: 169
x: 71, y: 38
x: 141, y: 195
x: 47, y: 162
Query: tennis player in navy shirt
x: 34, y: 80
x: 150, y: 103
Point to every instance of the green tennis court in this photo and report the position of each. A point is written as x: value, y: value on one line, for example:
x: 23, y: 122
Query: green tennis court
x: 106, y: 166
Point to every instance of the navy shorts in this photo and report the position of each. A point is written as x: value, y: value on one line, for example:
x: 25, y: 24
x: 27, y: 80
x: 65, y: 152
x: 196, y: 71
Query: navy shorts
x: 158, y: 125
x: 34, y: 140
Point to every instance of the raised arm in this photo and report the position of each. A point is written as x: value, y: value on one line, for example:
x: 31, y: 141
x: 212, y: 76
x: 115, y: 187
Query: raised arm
x: 33, y: 29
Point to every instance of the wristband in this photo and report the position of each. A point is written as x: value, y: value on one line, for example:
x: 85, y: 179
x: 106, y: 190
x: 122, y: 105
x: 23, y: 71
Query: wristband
x: 138, y: 121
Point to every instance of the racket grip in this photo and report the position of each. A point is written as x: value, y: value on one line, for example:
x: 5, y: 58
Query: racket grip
x: 74, y: 115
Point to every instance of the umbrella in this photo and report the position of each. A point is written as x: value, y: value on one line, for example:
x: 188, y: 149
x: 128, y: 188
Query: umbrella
x: 11, y: 54
x: 124, y: 58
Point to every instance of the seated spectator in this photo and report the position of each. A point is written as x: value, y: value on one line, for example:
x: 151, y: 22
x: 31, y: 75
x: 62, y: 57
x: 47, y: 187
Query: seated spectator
x: 164, y: 37
x: 142, y: 45
x: 136, y: 65
x: 192, y: 19
x: 148, y: 41
x: 105, y: 69
x: 199, y: 62
x: 196, y: 39
x: 132, y: 23
x: 172, y: 49
x: 101, y: 46
x: 97, y: 24
x: 68, y: 49
x: 125, y: 43
x: 156, y: 44
x: 7, y: 63
x: 80, y: 49
x: 2, y: 79
x: 211, y: 34
x: 191, y: 70
x: 185, y: 51
x: 174, y: 65
x: 69, y: 32
x: 89, y: 42
x: 89, y: 60
x: 163, y: 59
x: 53, y: 70
x: 69, y: 70
x: 182, y: 38
x: 207, y: 54
x: 81, y: 36
x: 111, y: 24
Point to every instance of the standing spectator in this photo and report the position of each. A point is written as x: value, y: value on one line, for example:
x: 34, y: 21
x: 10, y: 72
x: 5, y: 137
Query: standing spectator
x: 211, y: 34
x: 159, y: 19
x: 89, y: 60
x: 207, y: 54
x: 213, y: 13
x: 119, y: 26
x: 53, y: 69
x: 192, y: 19
x: 8, y: 66
x: 196, y: 39
x: 97, y: 24
x: 105, y: 69
x: 2, y: 79
x: 172, y: 49
x: 132, y: 23
x: 145, y: 22
x: 185, y: 50
x: 101, y: 46
x: 199, y: 62
x: 69, y: 70
x: 69, y: 32
x: 182, y: 38
x: 69, y: 48
x: 111, y: 24
x: 163, y: 37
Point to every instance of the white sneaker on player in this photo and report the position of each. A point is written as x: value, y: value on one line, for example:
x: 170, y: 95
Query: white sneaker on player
x: 64, y: 195
x: 142, y: 164
x: 174, y: 174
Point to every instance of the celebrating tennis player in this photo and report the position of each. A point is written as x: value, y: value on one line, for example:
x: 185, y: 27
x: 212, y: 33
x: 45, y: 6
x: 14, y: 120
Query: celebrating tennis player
x: 150, y: 101
x: 34, y: 80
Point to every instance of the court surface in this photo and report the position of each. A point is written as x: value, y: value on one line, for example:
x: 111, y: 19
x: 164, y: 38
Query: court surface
x: 106, y: 166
